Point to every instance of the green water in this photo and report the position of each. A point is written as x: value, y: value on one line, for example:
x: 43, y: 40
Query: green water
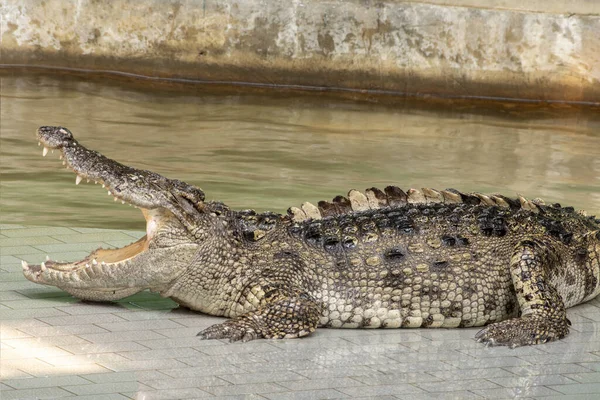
x: 272, y: 152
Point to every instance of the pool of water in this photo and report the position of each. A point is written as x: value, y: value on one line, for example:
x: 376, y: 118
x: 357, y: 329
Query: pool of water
x: 272, y: 152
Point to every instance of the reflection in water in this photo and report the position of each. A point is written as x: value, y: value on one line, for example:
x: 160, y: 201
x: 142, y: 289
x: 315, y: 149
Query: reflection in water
x: 274, y: 152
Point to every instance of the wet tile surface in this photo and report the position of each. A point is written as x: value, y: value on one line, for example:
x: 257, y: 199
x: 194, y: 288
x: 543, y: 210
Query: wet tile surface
x: 54, y: 346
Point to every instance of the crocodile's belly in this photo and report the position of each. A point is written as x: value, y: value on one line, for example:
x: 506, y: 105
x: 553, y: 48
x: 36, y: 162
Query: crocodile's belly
x: 424, y: 301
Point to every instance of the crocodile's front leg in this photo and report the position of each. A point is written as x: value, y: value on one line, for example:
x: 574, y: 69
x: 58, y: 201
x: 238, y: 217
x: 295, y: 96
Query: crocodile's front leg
x: 285, y: 307
x: 543, y: 316
x: 284, y: 313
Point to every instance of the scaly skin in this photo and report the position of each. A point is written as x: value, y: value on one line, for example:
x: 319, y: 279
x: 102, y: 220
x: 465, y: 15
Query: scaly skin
x: 423, y: 258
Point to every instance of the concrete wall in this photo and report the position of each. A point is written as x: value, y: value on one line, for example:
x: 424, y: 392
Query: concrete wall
x: 536, y: 49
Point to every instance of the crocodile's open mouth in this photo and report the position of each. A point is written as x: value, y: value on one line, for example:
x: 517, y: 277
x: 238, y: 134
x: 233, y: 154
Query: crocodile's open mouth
x: 88, y: 166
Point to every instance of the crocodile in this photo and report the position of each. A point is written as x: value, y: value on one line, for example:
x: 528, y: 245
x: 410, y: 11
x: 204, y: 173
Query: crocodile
x: 374, y: 259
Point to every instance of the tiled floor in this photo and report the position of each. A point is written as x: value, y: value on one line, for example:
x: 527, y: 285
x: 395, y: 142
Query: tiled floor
x: 54, y: 346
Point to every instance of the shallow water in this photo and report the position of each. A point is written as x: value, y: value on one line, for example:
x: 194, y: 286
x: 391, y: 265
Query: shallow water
x: 272, y: 152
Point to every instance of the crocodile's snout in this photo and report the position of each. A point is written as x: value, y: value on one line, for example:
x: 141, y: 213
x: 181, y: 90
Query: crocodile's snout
x: 54, y: 137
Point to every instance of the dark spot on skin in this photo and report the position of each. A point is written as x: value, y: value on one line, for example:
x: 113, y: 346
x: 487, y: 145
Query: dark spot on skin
x: 395, y: 253
x: 463, y: 241
x: 331, y: 243
x: 525, y: 275
x: 448, y: 240
x: 350, y: 243
x: 427, y: 321
x: 541, y: 285
x: 295, y: 230
x: 581, y: 254
x: 313, y: 233
x: 570, y: 278
x: 465, y: 322
x: 249, y: 235
x: 566, y: 237
x: 440, y: 264
x: 569, y: 209
x: 499, y: 226
x: 511, y: 306
x: 528, y: 297
x: 246, y: 213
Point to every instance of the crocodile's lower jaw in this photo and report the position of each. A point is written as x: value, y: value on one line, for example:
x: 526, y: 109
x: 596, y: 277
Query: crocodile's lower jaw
x: 105, y: 262
x: 99, y: 262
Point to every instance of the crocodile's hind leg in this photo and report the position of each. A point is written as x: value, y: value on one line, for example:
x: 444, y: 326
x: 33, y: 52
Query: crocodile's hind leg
x: 284, y: 313
x: 542, y: 312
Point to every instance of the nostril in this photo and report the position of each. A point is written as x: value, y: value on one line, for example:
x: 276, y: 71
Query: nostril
x: 54, y: 136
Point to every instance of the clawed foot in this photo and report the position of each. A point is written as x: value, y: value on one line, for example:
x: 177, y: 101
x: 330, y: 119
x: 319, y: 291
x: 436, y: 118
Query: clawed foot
x: 231, y: 330
x: 525, y: 331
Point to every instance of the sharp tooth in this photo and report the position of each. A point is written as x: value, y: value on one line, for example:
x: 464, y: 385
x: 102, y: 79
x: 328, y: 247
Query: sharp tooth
x: 95, y: 182
x: 83, y: 274
x: 87, y: 181
x: 64, y: 162
x: 103, y: 263
x: 78, y: 180
x: 94, y: 262
x: 103, y: 185
x: 74, y: 277
x: 87, y: 265
x: 115, y: 199
x: 39, y: 143
x: 43, y: 265
x: 60, y: 157
x: 122, y: 202
x: 24, y: 265
x: 52, y: 151
x: 47, y: 257
x: 108, y: 193
x: 45, y: 151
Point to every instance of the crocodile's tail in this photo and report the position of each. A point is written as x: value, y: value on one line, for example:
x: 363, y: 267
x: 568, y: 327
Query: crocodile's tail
x: 393, y: 196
